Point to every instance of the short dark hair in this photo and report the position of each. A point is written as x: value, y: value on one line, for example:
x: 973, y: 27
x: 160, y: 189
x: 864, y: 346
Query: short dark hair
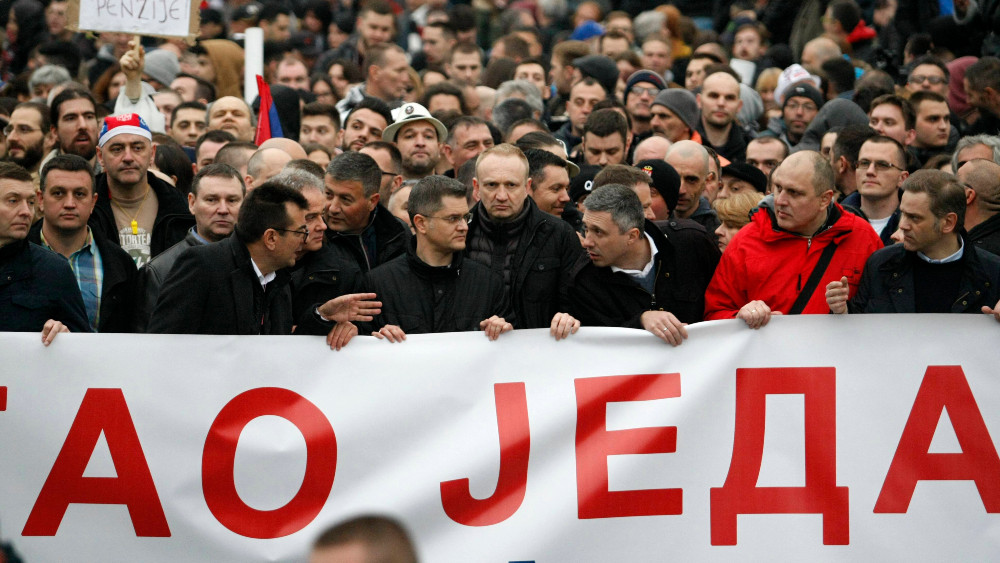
x: 203, y: 89
x: 538, y: 125
x: 188, y: 105
x: 231, y: 153
x: 605, y: 122
x: 264, y: 208
x: 380, y: 7
x: 319, y: 108
x: 900, y: 149
x: 840, y: 73
x: 394, y: 155
x: 621, y: 174
x: 445, y: 27
x: 374, y: 104
x: 510, y: 111
x: 931, y: 60
x: 612, y: 102
x: 215, y: 136
x: 918, y: 98
x: 715, y: 68
x: 536, y: 140
x: 217, y: 170
x: 909, y: 117
x: 43, y: 114
x: 463, y: 121
x: 589, y: 81
x: 623, y: 204
x: 376, y: 55
x: 356, y: 167
x: 384, y: 536
x: 427, y: 195
x: 444, y: 89
x: 305, y: 165
x: 11, y: 171
x: 173, y: 161
x: 65, y: 96
x: 68, y: 163
x: 538, y: 161
x: 515, y: 47
x: 849, y: 141
x: 465, y: 49
x: 847, y: 13
x: 984, y: 73
x: 270, y: 12
x: 946, y: 193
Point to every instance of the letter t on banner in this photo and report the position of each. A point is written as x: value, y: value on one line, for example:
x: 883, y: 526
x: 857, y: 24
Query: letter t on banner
x: 594, y: 443
x: 740, y: 493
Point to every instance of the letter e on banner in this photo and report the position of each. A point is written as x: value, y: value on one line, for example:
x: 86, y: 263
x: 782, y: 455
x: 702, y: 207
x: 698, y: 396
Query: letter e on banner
x: 942, y: 387
x: 515, y: 445
x: 594, y: 443
x: 102, y: 410
x: 219, y: 459
x: 821, y: 495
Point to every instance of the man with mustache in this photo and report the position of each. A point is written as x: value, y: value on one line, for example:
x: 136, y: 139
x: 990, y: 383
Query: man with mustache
x: 26, y: 136
x: 73, y: 116
x: 418, y: 136
x: 105, y: 273
x: 143, y: 213
x: 364, y: 124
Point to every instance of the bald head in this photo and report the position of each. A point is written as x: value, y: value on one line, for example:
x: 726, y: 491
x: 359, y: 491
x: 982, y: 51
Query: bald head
x: 818, y: 51
x: 822, y: 173
x: 264, y: 164
x: 983, y: 176
x: 685, y: 150
x: 294, y: 149
x: 654, y: 147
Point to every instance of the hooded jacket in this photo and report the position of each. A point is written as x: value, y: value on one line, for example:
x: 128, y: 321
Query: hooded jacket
x: 227, y: 58
x: 764, y: 262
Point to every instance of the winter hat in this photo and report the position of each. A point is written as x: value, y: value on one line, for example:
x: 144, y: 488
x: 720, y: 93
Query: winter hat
x: 586, y: 30
x: 791, y: 75
x: 666, y: 181
x: 601, y: 69
x: 804, y: 90
x: 162, y: 66
x: 583, y: 183
x: 125, y: 123
x: 408, y: 113
x: 644, y: 76
x: 682, y: 103
x: 749, y: 174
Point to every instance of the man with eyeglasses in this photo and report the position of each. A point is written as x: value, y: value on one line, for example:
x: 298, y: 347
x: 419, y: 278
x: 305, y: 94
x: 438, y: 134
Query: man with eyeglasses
x: 935, y: 269
x: 25, y: 134
x: 880, y: 172
x: 240, y: 285
x: 801, y: 104
x: 929, y: 74
x: 641, y: 90
x: 433, y: 287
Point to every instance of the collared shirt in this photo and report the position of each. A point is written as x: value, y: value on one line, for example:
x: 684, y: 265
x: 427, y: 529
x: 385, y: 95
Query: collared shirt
x: 201, y: 239
x: 953, y: 258
x: 88, y: 268
x: 644, y: 272
x: 264, y: 280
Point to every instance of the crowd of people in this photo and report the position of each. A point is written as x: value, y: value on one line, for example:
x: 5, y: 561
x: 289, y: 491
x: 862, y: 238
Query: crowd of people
x: 495, y: 166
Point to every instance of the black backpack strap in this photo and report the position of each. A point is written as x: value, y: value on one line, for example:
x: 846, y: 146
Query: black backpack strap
x: 813, y: 281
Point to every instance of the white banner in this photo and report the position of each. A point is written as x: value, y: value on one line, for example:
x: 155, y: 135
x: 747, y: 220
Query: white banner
x: 814, y: 438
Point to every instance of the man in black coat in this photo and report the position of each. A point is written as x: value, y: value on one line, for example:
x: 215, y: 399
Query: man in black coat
x: 238, y: 285
x: 37, y: 289
x: 533, y: 251
x: 135, y: 209
x: 432, y: 288
x: 982, y: 199
x: 105, y: 273
x: 360, y: 230
x: 637, y: 277
x: 935, y: 269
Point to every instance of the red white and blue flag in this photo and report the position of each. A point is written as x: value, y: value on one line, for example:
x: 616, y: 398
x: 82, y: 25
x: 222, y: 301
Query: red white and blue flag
x: 268, y: 123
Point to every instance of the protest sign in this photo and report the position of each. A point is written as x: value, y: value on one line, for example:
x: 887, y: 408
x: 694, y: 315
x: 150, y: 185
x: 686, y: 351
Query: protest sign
x: 815, y: 438
x: 161, y: 18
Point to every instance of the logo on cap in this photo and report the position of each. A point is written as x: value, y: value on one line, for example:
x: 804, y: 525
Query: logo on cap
x: 588, y: 185
x: 408, y: 110
x: 648, y: 169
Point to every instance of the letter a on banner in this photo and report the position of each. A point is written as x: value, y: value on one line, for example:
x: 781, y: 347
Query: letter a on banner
x: 594, y: 443
x: 515, y: 446
x: 740, y: 493
x: 102, y: 410
x: 942, y: 387
x: 219, y: 459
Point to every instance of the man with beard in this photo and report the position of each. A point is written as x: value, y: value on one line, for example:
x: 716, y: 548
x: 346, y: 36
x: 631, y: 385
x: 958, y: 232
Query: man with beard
x: 26, y: 136
x: 364, y: 124
x: 640, y: 92
x: 418, y: 136
x: 73, y: 116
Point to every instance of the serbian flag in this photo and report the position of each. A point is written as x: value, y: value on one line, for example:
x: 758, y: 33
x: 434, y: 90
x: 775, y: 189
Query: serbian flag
x: 268, y: 124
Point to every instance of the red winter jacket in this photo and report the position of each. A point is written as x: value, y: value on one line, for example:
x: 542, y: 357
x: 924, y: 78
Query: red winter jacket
x: 765, y: 263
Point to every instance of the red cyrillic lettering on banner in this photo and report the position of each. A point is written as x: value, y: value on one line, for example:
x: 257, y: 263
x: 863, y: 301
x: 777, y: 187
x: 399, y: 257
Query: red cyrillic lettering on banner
x: 820, y: 495
x: 515, y: 446
x: 102, y: 410
x: 594, y: 443
x: 219, y: 459
x: 943, y: 386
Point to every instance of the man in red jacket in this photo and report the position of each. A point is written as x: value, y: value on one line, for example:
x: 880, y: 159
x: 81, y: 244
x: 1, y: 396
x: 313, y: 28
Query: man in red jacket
x: 781, y: 262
